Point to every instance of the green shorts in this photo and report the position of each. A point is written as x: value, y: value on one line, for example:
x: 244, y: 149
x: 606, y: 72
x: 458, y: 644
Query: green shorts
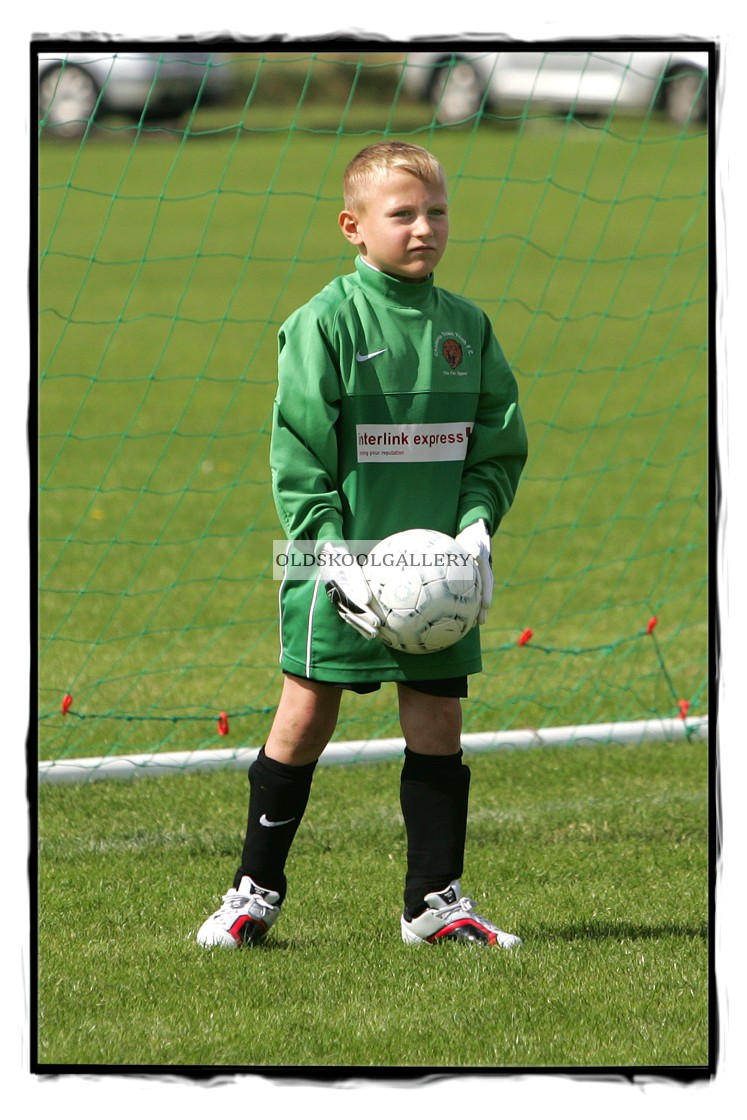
x: 317, y: 645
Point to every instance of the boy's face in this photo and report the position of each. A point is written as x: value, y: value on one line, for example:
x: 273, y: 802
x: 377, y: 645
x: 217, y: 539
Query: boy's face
x: 403, y: 226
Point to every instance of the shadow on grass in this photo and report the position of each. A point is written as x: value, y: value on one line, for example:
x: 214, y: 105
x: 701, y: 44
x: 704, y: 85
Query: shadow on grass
x: 625, y: 931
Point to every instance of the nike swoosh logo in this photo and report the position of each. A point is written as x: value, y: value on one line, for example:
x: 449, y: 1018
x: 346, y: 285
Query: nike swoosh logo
x: 373, y: 354
x: 274, y: 824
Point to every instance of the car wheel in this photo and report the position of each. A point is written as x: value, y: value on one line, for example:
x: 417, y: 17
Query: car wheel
x: 686, y: 96
x: 456, y: 92
x: 67, y: 100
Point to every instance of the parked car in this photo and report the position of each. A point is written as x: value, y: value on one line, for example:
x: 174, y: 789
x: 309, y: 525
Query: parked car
x: 460, y: 85
x: 76, y: 87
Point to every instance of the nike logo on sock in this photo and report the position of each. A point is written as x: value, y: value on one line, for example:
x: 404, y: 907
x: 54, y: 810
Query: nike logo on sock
x: 273, y: 824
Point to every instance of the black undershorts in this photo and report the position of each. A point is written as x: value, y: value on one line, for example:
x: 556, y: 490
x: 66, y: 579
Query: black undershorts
x: 448, y: 686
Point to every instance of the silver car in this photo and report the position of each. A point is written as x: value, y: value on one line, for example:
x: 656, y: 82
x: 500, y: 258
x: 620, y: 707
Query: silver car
x: 461, y: 85
x: 76, y: 87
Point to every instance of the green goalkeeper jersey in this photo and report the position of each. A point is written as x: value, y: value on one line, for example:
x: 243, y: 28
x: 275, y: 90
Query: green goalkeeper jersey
x: 396, y: 409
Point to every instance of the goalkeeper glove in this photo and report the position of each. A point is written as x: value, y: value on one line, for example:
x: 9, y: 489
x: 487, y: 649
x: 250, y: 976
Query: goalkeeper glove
x: 475, y: 540
x: 347, y: 589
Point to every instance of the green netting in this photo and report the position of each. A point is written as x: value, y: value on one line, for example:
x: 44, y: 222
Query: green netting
x: 169, y: 254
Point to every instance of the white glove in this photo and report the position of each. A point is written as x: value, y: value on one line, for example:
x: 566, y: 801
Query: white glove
x: 348, y: 589
x: 475, y: 540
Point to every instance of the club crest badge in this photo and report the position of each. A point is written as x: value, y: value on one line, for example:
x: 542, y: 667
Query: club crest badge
x: 457, y: 352
x: 453, y: 352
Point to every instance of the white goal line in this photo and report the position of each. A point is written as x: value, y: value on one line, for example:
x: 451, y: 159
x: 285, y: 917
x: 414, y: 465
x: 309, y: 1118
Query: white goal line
x: 370, y: 750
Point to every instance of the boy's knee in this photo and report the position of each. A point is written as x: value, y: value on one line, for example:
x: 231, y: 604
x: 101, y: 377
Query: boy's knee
x: 430, y: 724
x: 304, y: 722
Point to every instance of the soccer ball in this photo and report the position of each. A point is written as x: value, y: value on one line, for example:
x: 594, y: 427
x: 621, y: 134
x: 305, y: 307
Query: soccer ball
x: 427, y: 589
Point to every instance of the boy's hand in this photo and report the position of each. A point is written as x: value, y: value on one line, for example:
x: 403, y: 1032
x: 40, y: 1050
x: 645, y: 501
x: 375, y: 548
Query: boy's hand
x: 475, y: 539
x: 348, y: 589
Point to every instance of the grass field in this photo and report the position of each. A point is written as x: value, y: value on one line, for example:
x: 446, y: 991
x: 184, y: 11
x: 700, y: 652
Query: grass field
x: 166, y: 266
x: 598, y: 857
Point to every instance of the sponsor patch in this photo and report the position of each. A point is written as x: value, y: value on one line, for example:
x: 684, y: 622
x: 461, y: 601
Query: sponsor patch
x: 412, y: 443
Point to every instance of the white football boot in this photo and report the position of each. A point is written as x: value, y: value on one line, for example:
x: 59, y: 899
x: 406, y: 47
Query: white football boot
x: 244, y: 918
x: 450, y: 917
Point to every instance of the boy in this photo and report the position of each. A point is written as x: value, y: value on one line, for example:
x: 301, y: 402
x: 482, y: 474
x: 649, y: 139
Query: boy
x: 374, y: 355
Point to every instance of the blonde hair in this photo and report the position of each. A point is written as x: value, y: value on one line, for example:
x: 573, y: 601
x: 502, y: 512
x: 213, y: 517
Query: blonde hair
x: 372, y: 165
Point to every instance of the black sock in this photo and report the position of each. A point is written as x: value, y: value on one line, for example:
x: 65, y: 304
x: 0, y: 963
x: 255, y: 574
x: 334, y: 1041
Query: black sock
x: 277, y: 801
x: 434, y: 795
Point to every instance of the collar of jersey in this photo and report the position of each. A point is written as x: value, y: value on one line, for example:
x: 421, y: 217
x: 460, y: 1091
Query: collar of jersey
x: 392, y: 289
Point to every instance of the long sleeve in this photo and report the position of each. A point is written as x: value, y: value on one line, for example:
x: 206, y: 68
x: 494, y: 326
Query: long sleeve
x: 497, y: 446
x: 303, y: 451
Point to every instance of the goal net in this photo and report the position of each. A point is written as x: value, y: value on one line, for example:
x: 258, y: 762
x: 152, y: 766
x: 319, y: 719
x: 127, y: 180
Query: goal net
x: 173, y: 240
